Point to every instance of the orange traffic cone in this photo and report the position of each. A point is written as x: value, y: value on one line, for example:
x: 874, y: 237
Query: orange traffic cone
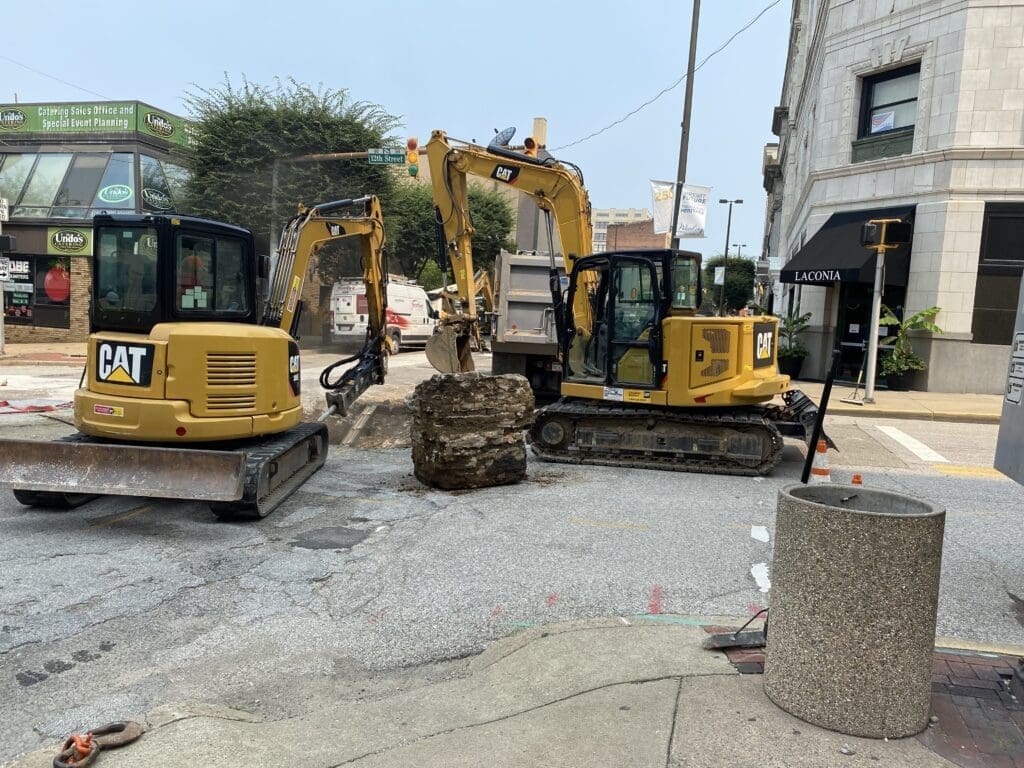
x: 857, y: 480
x: 819, y: 469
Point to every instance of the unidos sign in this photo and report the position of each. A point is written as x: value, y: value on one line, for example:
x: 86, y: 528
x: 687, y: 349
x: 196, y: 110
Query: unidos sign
x: 12, y: 119
x: 158, y: 124
x: 115, y: 193
x: 69, y: 241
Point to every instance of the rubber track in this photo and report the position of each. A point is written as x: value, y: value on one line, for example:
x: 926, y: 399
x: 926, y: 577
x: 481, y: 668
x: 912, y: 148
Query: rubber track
x: 747, y: 418
x: 259, y: 456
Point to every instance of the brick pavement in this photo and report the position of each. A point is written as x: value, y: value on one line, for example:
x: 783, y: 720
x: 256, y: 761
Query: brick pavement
x: 980, y: 722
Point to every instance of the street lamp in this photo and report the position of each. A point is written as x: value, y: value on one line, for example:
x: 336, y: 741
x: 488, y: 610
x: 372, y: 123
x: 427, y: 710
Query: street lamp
x: 738, y: 248
x: 725, y: 263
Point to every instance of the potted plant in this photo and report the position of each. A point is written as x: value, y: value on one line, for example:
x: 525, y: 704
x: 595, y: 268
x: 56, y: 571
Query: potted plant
x: 899, y: 365
x: 791, y: 350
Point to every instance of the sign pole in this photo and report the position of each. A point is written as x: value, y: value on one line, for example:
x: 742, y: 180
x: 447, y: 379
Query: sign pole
x: 876, y: 312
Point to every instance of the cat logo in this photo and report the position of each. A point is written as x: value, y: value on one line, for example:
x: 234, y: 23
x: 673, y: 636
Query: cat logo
x: 505, y: 173
x: 764, y: 344
x: 130, y: 364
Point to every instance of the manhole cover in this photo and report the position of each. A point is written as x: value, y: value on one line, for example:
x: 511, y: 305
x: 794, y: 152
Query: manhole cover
x: 336, y: 537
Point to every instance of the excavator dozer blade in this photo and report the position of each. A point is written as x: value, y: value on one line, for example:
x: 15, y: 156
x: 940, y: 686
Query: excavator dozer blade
x: 79, y: 467
x: 449, y: 352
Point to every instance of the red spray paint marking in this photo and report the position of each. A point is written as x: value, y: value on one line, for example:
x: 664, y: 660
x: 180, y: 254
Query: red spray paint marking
x: 498, y: 610
x: 655, y: 604
x: 754, y: 608
x: 373, y: 618
x: 552, y: 599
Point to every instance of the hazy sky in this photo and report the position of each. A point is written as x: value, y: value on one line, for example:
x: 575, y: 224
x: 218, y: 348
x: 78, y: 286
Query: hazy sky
x: 465, y: 67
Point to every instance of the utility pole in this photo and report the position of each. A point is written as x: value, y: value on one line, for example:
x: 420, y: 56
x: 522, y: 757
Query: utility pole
x: 684, y: 138
x: 725, y: 263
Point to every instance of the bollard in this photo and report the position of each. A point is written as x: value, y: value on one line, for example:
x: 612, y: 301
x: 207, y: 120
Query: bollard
x: 855, y: 589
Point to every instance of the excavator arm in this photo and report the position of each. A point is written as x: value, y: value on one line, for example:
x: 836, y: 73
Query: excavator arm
x: 302, y: 237
x: 557, y: 189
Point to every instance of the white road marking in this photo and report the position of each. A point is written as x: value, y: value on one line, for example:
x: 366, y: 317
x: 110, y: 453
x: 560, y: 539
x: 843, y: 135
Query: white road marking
x: 916, y: 447
x: 759, y: 533
x: 760, y: 574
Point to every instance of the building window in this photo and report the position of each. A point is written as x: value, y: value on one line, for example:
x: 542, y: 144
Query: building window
x: 888, y: 112
x: 1000, y: 266
x: 889, y: 101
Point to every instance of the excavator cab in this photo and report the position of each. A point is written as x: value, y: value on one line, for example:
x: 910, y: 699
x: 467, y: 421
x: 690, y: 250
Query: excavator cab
x: 618, y: 343
x: 158, y: 269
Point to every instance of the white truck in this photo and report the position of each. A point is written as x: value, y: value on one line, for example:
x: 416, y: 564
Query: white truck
x: 411, y: 319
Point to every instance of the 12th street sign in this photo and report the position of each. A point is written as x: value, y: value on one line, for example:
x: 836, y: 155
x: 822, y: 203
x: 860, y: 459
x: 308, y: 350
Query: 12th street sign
x: 387, y: 156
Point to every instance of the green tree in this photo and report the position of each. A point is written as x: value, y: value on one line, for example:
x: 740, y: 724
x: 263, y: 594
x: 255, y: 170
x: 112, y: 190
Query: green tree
x: 739, y: 282
x: 241, y: 132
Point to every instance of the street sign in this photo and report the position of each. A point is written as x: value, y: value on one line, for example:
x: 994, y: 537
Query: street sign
x: 3, y: 209
x: 5, y: 269
x: 719, y: 275
x: 386, y: 156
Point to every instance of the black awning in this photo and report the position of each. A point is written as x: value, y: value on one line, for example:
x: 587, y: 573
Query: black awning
x: 835, y: 255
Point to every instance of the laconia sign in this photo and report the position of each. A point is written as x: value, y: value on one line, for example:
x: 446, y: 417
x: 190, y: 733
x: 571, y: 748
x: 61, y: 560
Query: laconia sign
x: 816, y: 276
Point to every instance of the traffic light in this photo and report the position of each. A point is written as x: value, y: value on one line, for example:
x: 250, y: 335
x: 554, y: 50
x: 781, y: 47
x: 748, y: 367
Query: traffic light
x: 530, y: 146
x: 412, y: 155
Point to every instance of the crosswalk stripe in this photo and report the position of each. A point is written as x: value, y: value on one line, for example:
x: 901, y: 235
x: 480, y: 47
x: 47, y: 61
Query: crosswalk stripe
x: 916, y: 447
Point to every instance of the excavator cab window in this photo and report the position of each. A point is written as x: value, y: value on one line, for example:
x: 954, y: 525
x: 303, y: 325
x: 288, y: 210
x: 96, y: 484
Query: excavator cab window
x: 618, y: 343
x: 210, y: 275
x: 125, y: 287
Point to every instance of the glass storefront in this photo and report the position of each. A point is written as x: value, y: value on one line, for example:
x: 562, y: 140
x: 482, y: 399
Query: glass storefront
x: 38, y: 292
x: 78, y: 185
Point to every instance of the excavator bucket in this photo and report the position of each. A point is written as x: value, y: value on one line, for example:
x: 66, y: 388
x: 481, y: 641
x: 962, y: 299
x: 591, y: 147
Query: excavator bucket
x: 449, y: 351
x: 79, y: 467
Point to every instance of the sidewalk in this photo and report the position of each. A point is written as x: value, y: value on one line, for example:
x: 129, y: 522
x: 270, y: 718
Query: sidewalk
x: 59, y: 353
x: 635, y: 691
x: 937, y: 406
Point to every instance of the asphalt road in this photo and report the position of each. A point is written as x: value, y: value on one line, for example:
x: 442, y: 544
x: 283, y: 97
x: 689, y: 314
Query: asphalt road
x: 126, y: 604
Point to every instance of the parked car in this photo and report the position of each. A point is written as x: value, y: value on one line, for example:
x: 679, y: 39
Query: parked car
x: 410, y: 316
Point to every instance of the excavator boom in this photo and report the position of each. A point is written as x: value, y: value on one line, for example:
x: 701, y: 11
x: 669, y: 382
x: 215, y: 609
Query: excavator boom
x: 556, y: 187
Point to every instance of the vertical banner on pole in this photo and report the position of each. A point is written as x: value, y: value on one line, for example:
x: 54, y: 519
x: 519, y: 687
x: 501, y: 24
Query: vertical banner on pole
x: 662, y: 195
x: 693, y: 208
x: 693, y: 211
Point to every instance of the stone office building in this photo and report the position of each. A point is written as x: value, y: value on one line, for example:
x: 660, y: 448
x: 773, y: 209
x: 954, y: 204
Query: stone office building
x: 911, y: 109
x: 60, y: 164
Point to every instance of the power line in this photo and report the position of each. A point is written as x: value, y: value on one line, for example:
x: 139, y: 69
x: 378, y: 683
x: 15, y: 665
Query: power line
x: 674, y: 85
x: 52, y: 77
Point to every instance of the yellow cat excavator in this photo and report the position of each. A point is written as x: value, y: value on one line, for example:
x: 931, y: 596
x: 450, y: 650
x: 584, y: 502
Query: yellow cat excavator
x: 192, y: 387
x: 645, y: 381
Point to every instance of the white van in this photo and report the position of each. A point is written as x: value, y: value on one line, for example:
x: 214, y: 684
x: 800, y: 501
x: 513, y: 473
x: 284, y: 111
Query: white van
x: 411, y: 318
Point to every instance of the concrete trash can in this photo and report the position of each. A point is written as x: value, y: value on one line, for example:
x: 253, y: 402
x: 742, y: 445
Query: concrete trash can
x: 855, y: 591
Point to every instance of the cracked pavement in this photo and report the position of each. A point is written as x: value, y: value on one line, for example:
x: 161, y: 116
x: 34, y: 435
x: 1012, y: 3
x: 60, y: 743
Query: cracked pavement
x: 366, y: 586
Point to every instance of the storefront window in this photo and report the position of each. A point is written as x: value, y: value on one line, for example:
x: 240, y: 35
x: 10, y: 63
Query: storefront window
x: 79, y: 187
x: 39, y: 292
x: 156, y: 195
x: 117, y: 187
x: 14, y: 169
x: 177, y: 177
x: 42, y: 187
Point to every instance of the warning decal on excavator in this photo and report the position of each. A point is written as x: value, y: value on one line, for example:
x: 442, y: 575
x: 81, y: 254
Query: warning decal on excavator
x: 293, y: 296
x: 613, y: 393
x: 636, y: 395
x: 130, y: 364
x: 764, y: 344
x: 108, y: 410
